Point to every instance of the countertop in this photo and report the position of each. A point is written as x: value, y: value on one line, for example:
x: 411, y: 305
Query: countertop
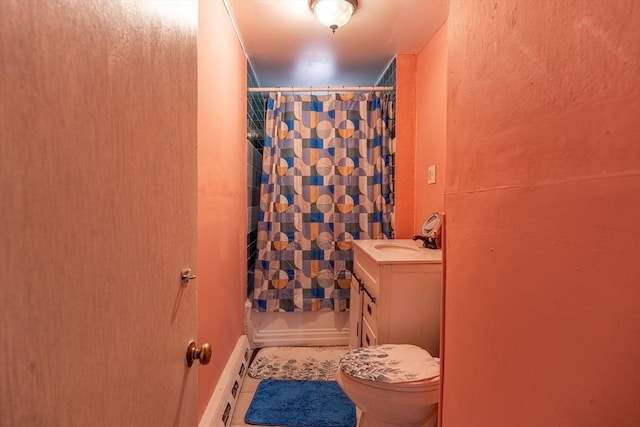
x: 399, y: 251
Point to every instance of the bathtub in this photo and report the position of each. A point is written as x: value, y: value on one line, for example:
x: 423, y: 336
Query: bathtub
x: 322, y: 328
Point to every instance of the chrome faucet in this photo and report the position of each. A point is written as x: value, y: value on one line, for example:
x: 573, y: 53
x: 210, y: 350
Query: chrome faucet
x: 427, y: 242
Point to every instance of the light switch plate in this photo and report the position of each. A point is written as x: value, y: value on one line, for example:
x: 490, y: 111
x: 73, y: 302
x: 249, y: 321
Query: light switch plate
x: 431, y: 174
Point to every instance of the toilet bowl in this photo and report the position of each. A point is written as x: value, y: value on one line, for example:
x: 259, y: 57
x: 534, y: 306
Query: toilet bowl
x: 393, y: 385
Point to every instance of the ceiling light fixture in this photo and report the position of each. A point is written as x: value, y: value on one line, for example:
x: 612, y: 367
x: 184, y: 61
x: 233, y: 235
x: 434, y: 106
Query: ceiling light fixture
x: 333, y: 13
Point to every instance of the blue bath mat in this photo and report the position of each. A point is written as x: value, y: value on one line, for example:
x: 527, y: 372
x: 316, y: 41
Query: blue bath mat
x: 300, y: 404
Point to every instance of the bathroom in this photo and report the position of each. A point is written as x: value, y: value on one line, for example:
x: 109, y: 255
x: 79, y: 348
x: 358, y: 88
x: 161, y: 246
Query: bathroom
x: 528, y: 107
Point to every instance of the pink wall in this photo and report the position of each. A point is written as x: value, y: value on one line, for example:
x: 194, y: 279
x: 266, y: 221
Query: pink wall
x: 543, y: 204
x: 222, y: 189
x: 431, y: 126
x: 405, y: 145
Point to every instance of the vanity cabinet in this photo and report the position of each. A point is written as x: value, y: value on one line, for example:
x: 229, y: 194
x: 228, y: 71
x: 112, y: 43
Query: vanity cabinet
x: 395, y: 295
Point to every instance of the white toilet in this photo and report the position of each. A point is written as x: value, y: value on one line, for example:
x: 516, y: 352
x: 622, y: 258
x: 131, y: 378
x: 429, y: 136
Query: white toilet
x: 393, y: 385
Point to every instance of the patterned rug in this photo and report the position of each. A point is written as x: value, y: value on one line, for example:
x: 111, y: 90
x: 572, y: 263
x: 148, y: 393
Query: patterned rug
x: 297, y: 363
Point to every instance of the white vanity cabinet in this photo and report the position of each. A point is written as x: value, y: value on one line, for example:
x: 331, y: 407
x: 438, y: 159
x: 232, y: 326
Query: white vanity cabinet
x: 395, y: 294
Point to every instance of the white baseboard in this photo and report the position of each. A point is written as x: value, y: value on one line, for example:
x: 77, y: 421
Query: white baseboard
x: 223, y: 401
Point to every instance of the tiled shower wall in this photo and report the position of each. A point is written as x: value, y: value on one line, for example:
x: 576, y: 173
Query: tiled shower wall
x: 388, y: 78
x: 255, y: 143
x: 255, y: 140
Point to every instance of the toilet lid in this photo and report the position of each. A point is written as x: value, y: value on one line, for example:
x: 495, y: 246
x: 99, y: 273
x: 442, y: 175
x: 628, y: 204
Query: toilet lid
x: 390, y: 363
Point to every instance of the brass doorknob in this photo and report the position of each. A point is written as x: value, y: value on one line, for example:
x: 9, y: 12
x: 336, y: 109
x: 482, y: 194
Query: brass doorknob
x: 203, y: 354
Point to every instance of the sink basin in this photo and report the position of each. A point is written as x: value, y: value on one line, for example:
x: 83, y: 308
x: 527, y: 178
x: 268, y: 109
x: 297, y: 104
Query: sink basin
x: 396, y: 247
x: 397, y: 251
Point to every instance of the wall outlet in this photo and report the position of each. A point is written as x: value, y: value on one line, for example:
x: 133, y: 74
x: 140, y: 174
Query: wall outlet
x: 431, y: 174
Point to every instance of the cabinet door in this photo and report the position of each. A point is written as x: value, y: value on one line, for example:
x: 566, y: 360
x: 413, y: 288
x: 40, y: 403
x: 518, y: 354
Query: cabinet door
x: 368, y: 335
x: 355, y: 314
x: 370, y: 312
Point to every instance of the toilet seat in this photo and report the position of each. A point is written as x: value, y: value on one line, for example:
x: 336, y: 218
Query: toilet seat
x: 392, y: 366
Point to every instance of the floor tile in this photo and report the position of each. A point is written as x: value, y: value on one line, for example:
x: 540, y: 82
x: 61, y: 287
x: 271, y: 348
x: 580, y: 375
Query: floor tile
x: 249, y: 384
x: 244, y: 400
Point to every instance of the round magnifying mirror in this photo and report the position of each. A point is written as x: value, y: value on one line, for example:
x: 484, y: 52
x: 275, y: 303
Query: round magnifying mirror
x: 431, y: 227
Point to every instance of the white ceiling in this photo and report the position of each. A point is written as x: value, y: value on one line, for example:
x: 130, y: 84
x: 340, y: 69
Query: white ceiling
x: 288, y: 47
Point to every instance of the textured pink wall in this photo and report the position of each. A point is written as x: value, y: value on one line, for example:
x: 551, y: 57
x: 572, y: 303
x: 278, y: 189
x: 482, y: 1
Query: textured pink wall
x: 222, y: 189
x: 405, y: 145
x: 431, y: 126
x: 543, y: 204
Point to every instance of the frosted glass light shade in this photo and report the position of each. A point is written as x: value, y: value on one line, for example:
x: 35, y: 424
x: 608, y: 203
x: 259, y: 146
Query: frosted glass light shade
x: 334, y: 13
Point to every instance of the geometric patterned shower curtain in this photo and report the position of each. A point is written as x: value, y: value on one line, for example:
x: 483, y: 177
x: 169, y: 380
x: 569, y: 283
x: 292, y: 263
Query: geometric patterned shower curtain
x: 325, y: 182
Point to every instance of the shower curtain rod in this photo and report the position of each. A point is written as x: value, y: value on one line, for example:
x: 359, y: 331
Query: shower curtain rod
x: 321, y: 89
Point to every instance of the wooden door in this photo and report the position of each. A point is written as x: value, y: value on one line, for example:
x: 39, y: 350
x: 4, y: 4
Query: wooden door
x: 98, y: 134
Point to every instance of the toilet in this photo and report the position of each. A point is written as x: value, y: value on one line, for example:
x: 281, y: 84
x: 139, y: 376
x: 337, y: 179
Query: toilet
x: 393, y: 385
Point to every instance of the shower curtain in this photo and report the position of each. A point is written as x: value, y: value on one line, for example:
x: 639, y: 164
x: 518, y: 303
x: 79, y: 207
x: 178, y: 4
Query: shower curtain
x: 325, y: 182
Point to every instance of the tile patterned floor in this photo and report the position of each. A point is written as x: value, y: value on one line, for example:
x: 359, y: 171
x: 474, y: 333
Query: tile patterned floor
x: 249, y: 386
